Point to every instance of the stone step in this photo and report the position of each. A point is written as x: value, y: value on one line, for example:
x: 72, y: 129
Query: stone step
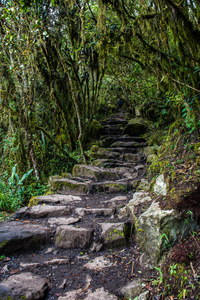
x: 19, y: 236
x: 124, y: 138
x: 109, y: 131
x: 132, y: 144
x: 131, y: 157
x: 113, y: 163
x: 111, y: 186
x: 71, y: 237
x: 55, y: 199
x: 66, y: 186
x: 94, y: 173
x: 42, y: 211
x: 81, y: 211
x: 69, y: 187
x: 97, y: 152
x: 113, y: 121
x: 123, y: 150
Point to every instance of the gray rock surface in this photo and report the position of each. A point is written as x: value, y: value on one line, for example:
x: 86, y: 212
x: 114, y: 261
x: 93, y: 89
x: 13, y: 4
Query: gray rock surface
x: 156, y: 229
x: 63, y: 221
x: 135, y: 127
x: 15, y: 236
x: 41, y: 211
x: 69, y: 187
x: 94, y: 173
x: 144, y: 296
x: 132, y: 289
x: 160, y: 187
x: 100, y: 294
x: 97, y: 211
x: 115, y: 233
x: 57, y: 198
x: 27, y: 285
x: 98, y: 263
x: 70, y: 237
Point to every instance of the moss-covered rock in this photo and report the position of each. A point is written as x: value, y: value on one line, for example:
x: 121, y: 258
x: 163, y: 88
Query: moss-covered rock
x: 115, y: 233
x: 94, y: 173
x: 158, y: 167
x: 95, y: 129
x: 135, y: 127
x: 158, y: 229
x: 33, y: 201
x: 151, y: 150
x: 68, y: 186
x: 102, y: 153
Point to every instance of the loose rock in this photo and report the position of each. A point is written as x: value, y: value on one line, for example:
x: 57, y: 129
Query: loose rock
x: 70, y: 237
x: 27, y: 285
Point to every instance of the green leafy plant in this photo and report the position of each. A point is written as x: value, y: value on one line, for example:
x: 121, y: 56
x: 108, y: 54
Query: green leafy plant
x: 165, y: 239
x: 159, y: 280
x: 12, y: 193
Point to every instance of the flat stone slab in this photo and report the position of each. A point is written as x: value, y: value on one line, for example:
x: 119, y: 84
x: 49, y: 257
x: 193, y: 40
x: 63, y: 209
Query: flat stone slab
x: 56, y: 261
x: 132, y: 157
x: 98, y: 263
x: 120, y: 144
x: 15, y: 236
x: 100, y: 294
x: 115, y: 233
x: 63, y: 221
x: 118, y: 198
x: 96, y: 211
x: 94, y: 173
x: 56, y: 199
x: 111, y: 186
x: 70, y: 237
x: 41, y: 211
x: 69, y: 186
x: 23, y: 286
x: 124, y: 149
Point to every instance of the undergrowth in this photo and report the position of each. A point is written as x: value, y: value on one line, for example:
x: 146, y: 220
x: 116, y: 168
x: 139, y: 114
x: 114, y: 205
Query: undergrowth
x: 15, y: 192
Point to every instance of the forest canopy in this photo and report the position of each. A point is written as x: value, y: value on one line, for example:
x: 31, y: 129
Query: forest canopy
x: 64, y: 64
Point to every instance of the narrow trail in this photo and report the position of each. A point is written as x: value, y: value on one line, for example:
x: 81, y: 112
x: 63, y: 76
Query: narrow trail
x: 79, y: 243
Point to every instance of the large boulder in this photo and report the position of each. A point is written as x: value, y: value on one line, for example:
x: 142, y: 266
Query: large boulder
x: 135, y: 127
x: 23, y: 286
x: 158, y: 229
x: 15, y: 236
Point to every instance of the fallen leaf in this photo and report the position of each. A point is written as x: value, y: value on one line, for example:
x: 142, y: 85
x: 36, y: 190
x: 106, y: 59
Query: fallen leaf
x: 14, y: 271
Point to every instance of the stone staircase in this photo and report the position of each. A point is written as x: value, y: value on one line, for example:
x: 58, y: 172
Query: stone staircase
x: 75, y: 243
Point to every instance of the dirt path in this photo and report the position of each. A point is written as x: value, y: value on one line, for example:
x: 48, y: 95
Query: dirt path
x: 79, y: 245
